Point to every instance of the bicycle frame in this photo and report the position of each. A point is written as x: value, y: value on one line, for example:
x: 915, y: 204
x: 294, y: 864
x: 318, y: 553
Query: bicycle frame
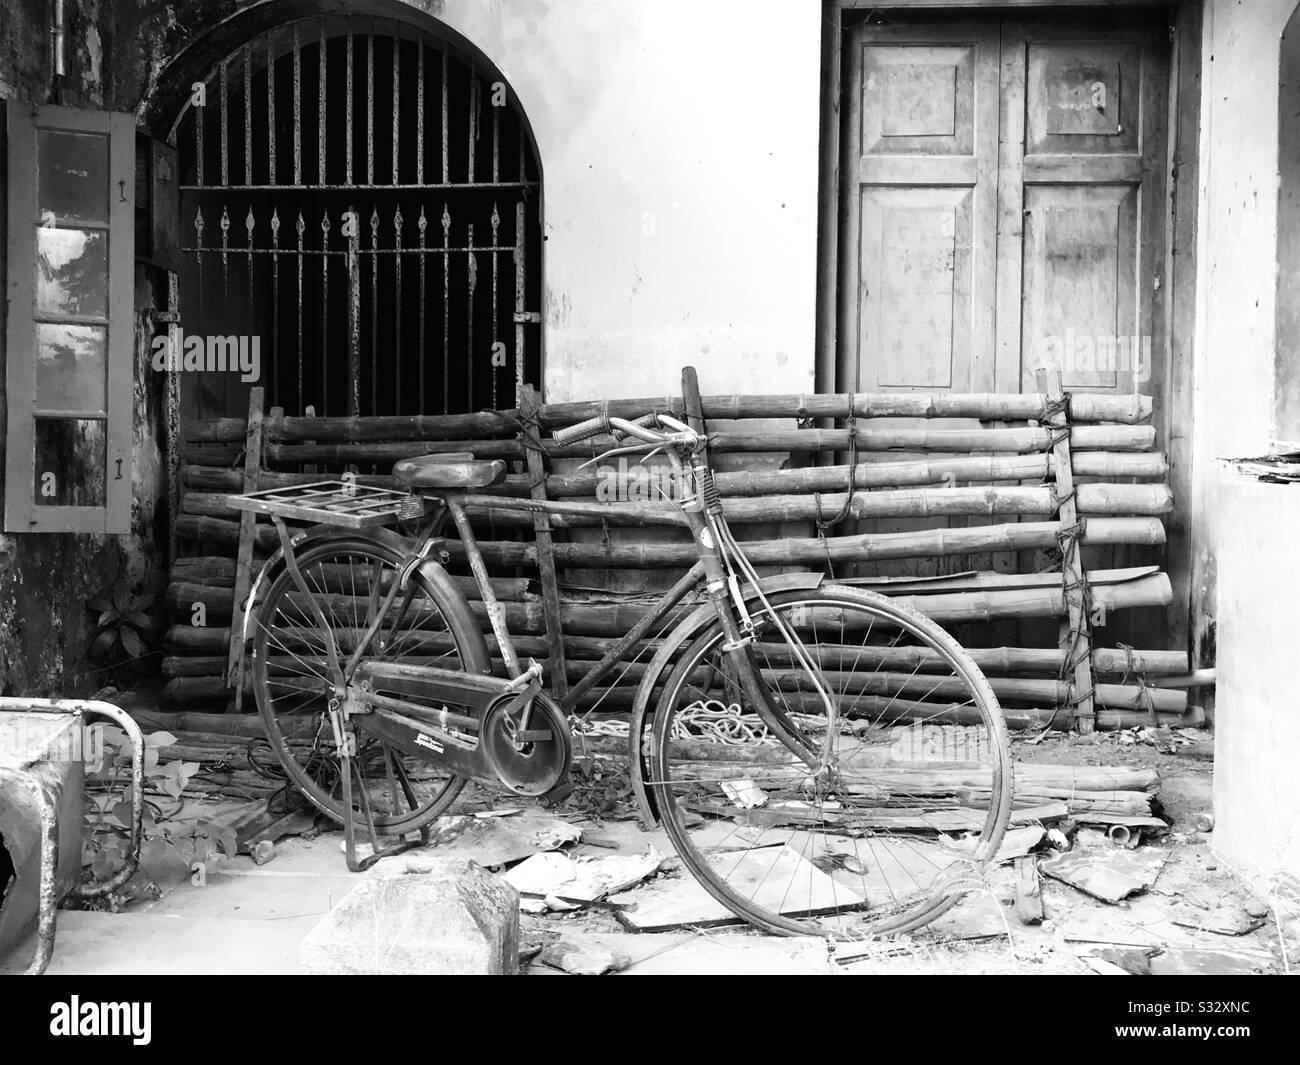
x: 714, y: 569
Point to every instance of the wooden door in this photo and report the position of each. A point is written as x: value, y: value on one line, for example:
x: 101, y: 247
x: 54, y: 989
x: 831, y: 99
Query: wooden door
x: 918, y: 287
x: 1082, y: 166
x: 1004, y: 204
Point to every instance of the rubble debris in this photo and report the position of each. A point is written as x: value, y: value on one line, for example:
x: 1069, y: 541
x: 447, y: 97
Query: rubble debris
x: 1194, y: 962
x: 259, y: 821
x: 555, y: 881
x: 263, y: 851
x: 681, y: 902
x: 1029, y: 892
x: 1121, y: 961
x: 1108, y: 873
x: 415, y: 914
x: 581, y: 957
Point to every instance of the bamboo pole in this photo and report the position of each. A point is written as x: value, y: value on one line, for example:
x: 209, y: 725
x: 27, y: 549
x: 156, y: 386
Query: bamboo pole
x: 1076, y: 634
x: 868, y: 547
x: 1087, y: 438
x: 1138, y: 500
x: 543, y: 545
x: 982, y: 406
x: 940, y: 470
x: 236, y: 665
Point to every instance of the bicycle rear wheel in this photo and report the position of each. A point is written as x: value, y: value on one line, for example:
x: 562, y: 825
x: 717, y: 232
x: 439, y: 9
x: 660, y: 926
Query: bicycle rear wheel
x: 429, y: 624
x: 867, y: 847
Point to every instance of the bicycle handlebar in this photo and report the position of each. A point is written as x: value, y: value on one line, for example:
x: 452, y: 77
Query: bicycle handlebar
x: 647, y: 428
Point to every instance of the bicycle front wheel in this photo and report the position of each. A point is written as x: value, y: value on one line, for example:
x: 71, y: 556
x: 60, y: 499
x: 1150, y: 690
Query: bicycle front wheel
x: 348, y: 580
x: 914, y: 791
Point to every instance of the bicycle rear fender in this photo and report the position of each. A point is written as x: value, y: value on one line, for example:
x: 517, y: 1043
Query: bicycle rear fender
x: 381, y: 534
x: 691, y: 627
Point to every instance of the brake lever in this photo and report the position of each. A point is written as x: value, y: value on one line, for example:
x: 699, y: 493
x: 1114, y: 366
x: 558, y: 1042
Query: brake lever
x: 631, y: 449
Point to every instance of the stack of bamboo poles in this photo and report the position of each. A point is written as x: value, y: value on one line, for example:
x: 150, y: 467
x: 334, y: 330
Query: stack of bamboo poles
x: 999, y: 480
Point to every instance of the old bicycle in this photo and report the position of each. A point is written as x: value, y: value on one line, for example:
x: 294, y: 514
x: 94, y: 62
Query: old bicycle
x: 789, y: 733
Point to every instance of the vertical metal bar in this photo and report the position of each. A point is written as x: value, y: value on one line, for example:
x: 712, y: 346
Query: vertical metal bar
x: 275, y: 304
x: 347, y: 157
x: 225, y: 125
x: 354, y: 315
x: 374, y: 311
x: 320, y: 109
x: 249, y: 222
x: 473, y: 123
x: 397, y: 317
x: 397, y: 83
x: 248, y: 114
x: 324, y: 409
x: 445, y: 172
x: 297, y: 124
x: 496, y: 144
x: 496, y: 272
x: 225, y: 250
x: 521, y: 297
x: 446, y: 292
x: 370, y: 108
x: 471, y: 260
x: 173, y: 382
x: 198, y: 256
x: 419, y: 117
x: 200, y: 120
x: 270, y: 120
x: 302, y: 228
x: 422, y: 225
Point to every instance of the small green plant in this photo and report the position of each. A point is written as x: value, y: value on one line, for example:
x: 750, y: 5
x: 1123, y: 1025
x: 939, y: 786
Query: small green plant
x: 125, y: 625
x: 107, y: 840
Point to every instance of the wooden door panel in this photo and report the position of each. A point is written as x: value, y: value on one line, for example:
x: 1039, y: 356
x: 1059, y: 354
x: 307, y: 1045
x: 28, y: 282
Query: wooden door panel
x: 1089, y: 187
x: 1080, y: 307
x: 920, y: 221
x: 1083, y: 97
x: 917, y: 301
x: 918, y: 100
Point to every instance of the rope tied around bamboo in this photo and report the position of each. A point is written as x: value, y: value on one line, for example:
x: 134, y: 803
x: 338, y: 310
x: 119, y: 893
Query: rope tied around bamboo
x: 1138, y: 676
x: 824, y: 526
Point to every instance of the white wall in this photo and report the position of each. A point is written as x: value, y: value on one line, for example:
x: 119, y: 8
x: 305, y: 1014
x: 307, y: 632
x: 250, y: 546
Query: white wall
x: 679, y: 148
x: 1244, y: 529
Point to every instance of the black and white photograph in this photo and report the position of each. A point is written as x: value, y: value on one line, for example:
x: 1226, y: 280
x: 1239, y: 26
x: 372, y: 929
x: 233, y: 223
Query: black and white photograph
x: 649, y: 487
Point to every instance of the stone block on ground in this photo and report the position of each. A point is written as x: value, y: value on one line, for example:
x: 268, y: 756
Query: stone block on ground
x: 422, y: 916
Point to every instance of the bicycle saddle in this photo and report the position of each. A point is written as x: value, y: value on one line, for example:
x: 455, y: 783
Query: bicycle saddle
x: 449, y: 471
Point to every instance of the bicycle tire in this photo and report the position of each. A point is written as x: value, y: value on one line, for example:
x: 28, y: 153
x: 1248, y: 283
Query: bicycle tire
x: 274, y: 683
x: 681, y: 793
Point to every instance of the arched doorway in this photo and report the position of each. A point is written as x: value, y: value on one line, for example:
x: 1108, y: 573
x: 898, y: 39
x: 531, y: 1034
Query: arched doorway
x: 360, y: 200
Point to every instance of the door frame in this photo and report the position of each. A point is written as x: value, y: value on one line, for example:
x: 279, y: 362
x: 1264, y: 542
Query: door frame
x: 1188, y: 610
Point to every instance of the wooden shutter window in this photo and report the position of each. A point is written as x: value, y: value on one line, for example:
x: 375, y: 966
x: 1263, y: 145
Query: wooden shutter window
x: 69, y: 344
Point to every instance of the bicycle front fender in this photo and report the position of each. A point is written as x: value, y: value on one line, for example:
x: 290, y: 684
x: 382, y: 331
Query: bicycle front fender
x: 688, y: 629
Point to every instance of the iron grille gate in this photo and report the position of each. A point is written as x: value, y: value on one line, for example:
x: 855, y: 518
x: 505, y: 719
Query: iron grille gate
x: 347, y: 195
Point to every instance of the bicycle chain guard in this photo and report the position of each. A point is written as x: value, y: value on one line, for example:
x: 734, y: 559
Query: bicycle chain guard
x: 527, y: 745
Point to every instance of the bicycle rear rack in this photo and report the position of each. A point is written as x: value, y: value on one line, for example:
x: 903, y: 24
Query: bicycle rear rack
x: 343, y: 503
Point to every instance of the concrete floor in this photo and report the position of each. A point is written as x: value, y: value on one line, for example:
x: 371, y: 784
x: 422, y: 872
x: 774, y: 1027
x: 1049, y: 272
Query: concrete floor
x: 248, y: 919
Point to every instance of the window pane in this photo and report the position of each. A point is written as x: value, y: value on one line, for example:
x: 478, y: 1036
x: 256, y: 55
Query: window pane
x: 71, y: 271
x: 71, y: 176
x: 70, y: 457
x: 70, y: 366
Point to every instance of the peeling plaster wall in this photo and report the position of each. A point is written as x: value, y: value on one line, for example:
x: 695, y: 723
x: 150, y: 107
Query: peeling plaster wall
x: 679, y: 147
x: 1245, y: 532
